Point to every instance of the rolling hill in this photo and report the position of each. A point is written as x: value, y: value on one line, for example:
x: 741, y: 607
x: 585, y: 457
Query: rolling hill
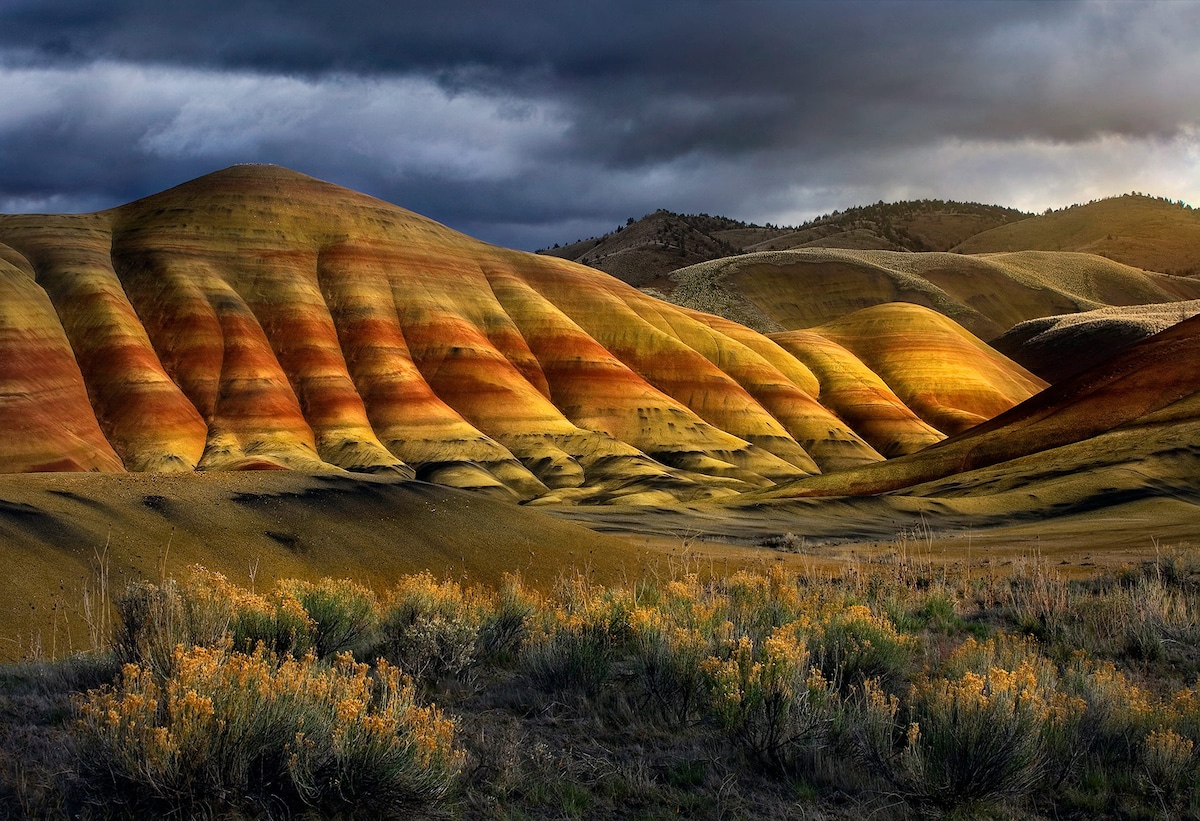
x: 257, y: 318
x: 1144, y: 232
x: 1130, y: 424
x: 987, y: 294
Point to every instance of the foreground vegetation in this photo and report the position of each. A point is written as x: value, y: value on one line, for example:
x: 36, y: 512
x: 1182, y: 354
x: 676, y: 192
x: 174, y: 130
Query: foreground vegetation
x: 895, y: 690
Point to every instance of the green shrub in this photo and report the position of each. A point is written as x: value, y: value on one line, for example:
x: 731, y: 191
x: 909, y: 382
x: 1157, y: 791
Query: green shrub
x: 343, y: 614
x: 667, y: 661
x: 570, y: 658
x: 506, y: 627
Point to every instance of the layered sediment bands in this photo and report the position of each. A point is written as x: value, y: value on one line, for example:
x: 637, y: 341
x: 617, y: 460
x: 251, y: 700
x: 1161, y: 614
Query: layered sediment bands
x: 943, y: 373
x: 1140, y: 408
x: 258, y: 318
x: 859, y: 396
x: 45, y: 414
x: 143, y: 414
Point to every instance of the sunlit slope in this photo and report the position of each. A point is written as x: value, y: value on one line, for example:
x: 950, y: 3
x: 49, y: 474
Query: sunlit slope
x: 1056, y: 347
x: 258, y: 318
x: 906, y: 375
x: 44, y: 410
x: 1144, y: 232
x: 1141, y: 408
x: 792, y: 290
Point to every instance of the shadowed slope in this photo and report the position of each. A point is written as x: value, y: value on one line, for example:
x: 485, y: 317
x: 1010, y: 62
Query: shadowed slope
x: 57, y: 534
x: 791, y: 290
x: 1144, y: 232
x: 1119, y: 411
x: 259, y: 318
x: 1056, y: 347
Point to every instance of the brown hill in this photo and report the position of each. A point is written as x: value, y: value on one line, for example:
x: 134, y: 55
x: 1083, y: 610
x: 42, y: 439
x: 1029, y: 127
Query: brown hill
x: 1137, y: 415
x: 645, y: 251
x: 987, y: 294
x: 1055, y: 347
x: 1144, y: 232
x: 258, y: 318
x: 920, y: 225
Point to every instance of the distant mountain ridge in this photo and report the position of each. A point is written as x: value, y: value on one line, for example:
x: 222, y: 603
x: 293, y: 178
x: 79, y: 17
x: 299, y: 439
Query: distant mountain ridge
x: 643, y: 252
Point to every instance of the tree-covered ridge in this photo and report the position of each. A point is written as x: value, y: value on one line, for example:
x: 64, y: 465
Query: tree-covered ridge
x: 643, y: 251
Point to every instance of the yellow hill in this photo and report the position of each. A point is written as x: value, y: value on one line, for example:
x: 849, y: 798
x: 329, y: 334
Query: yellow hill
x: 1139, y: 411
x: 1144, y: 232
x: 792, y: 290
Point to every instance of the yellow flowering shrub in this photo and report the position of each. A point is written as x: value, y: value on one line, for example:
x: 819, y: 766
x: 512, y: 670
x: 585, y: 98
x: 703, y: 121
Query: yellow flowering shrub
x: 768, y: 696
x: 983, y: 732
x: 1166, y: 768
x: 232, y: 728
x: 853, y: 644
x: 429, y: 628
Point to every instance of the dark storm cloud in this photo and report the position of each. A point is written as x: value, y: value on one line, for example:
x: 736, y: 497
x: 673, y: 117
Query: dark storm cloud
x: 515, y: 120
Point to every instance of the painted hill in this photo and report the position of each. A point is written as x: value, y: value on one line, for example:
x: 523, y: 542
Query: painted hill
x: 944, y: 374
x: 1136, y: 416
x: 643, y: 252
x: 1056, y: 347
x: 258, y: 318
x: 987, y: 294
x: 1144, y: 232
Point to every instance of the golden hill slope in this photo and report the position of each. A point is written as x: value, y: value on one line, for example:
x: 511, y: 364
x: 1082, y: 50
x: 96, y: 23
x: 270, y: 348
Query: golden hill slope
x: 1144, y: 232
x: 60, y: 532
x: 1139, y: 410
x: 791, y: 290
x: 258, y: 318
x: 947, y: 376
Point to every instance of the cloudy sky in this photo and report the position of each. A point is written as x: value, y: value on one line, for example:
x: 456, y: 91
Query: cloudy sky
x: 529, y: 122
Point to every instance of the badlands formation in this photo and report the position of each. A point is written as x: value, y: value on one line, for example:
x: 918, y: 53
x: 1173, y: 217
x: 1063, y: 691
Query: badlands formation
x: 249, y: 370
x: 257, y: 318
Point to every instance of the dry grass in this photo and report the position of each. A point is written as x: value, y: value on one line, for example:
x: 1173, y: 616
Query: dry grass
x: 895, y: 689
